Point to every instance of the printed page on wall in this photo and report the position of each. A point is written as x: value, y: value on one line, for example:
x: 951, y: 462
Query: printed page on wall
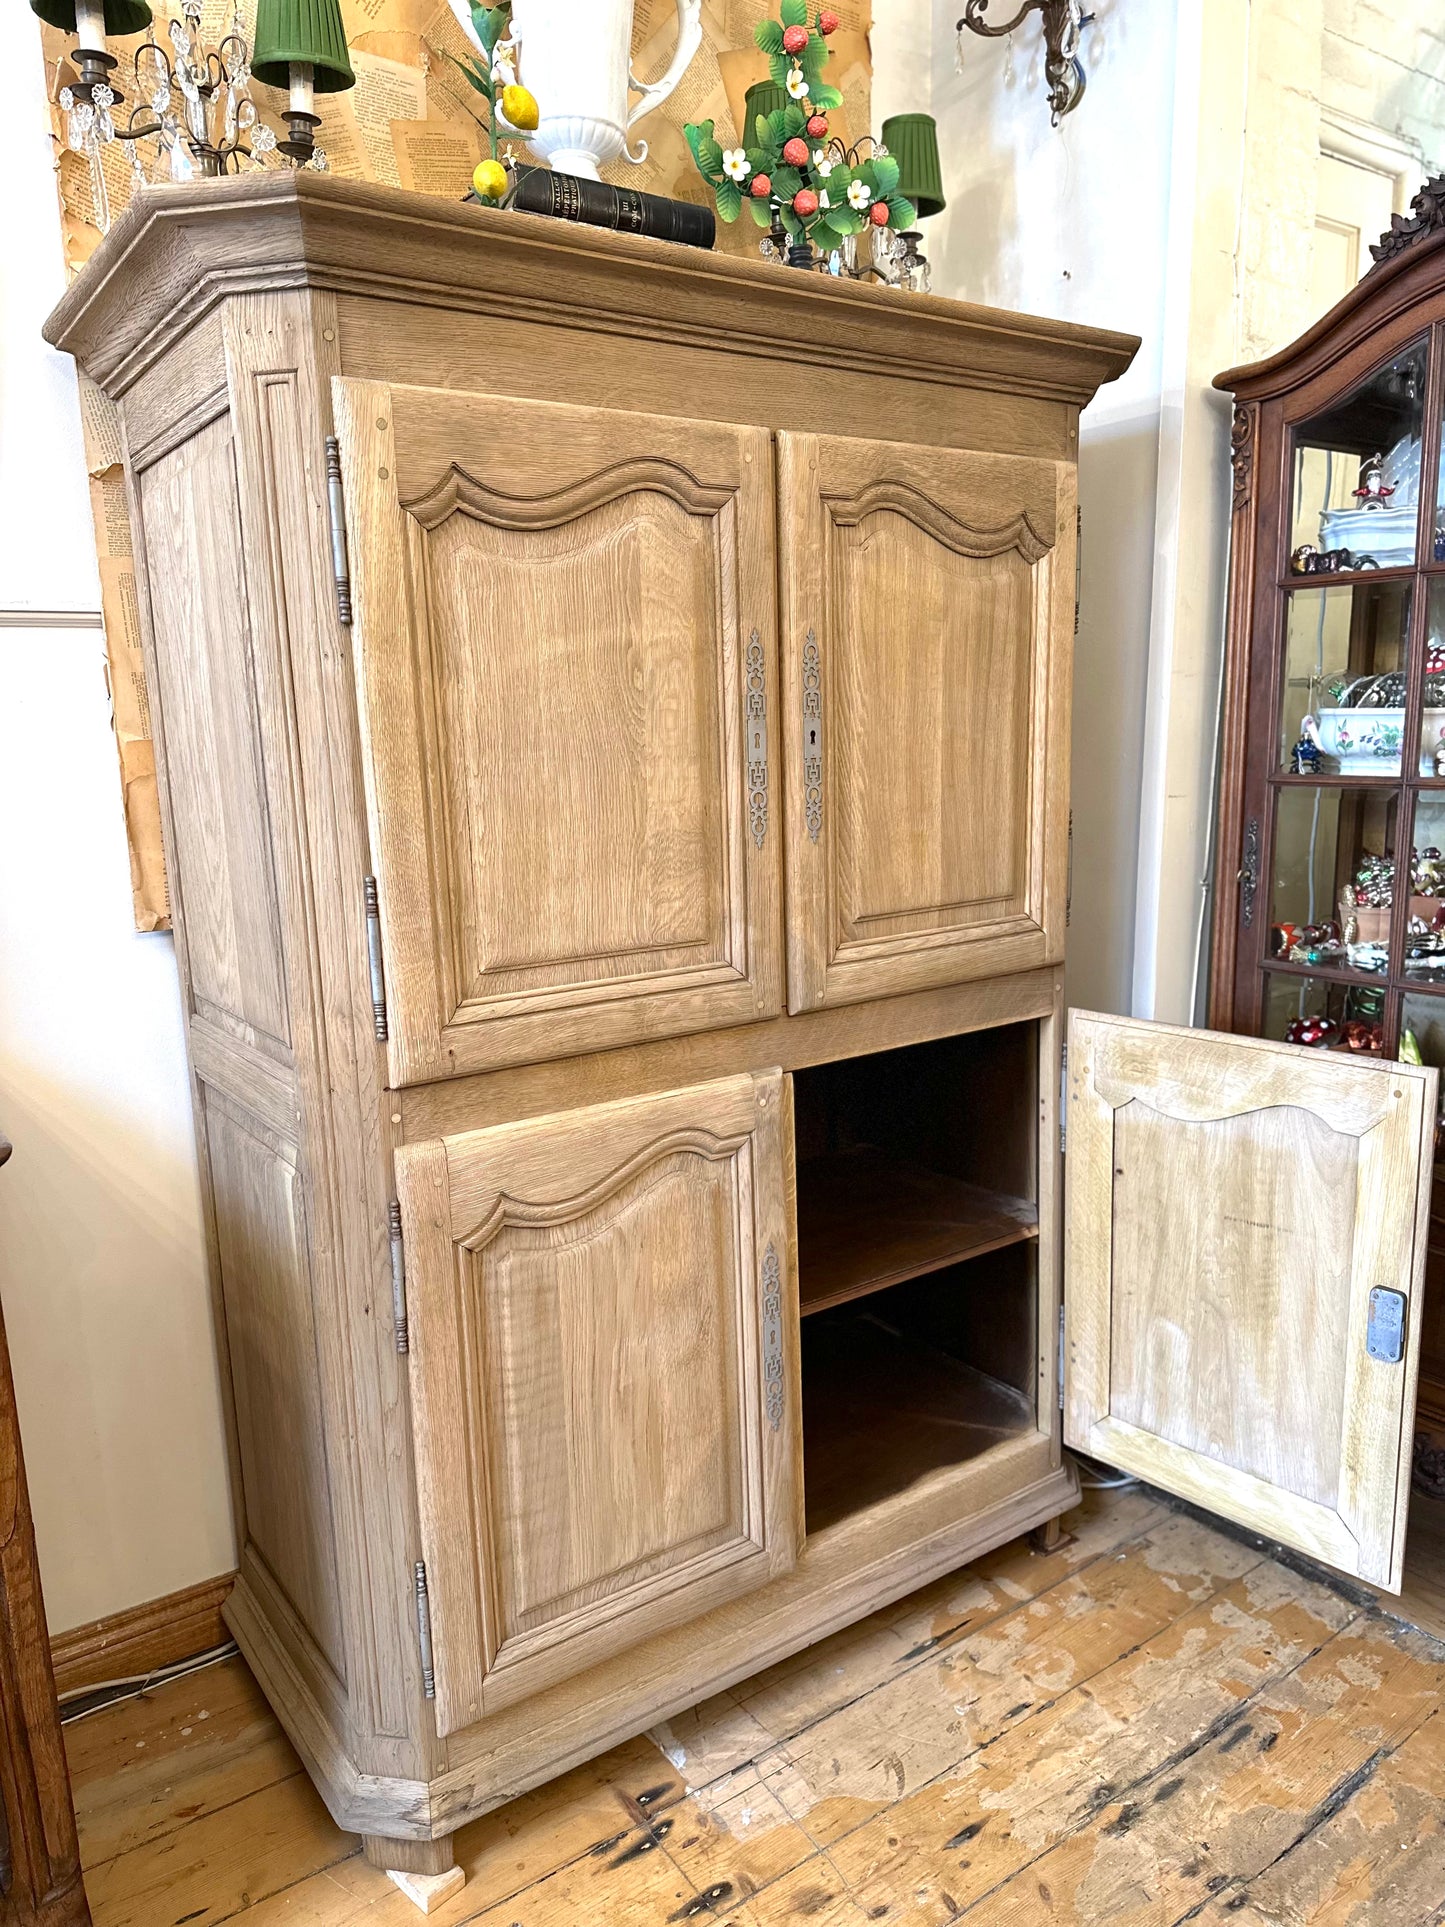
x: 412, y: 122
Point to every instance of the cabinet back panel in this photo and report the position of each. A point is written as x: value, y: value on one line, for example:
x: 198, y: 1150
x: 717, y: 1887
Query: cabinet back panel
x: 275, y: 1374
x: 221, y: 863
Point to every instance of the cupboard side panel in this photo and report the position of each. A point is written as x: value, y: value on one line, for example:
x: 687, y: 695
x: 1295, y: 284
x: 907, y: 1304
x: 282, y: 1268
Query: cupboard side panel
x: 280, y: 405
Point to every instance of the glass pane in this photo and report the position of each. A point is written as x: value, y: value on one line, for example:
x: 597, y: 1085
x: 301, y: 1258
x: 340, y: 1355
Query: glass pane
x: 1422, y: 1038
x: 1343, y: 707
x: 1305, y: 1010
x: 1432, y: 729
x: 1357, y: 474
x: 1333, y: 876
x: 1425, y: 935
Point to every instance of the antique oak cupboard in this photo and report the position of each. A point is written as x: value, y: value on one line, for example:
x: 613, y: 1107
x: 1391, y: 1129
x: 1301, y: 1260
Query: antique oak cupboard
x: 612, y: 710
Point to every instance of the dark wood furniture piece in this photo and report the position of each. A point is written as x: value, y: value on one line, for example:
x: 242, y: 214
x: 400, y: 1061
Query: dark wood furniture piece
x: 1354, y: 636
x: 39, y: 1854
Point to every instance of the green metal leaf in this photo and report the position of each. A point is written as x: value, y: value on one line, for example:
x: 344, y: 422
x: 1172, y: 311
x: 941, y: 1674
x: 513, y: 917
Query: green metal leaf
x: 824, y: 98
x: 901, y: 213
x: 794, y: 13
x: 768, y: 35
x: 470, y: 71
x: 794, y: 120
x: 885, y: 173
x: 761, y: 211
x: 729, y: 199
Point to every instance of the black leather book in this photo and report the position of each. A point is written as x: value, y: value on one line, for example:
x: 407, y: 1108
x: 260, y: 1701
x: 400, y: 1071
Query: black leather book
x: 628, y: 209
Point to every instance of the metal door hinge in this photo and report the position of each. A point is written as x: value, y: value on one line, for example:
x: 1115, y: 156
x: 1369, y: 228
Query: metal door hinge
x: 1064, y: 1101
x: 1385, y: 1329
x: 1061, y: 1358
x: 1248, y: 878
x: 373, y: 958
x: 340, y: 560
x: 423, y: 1630
x: 398, y: 1278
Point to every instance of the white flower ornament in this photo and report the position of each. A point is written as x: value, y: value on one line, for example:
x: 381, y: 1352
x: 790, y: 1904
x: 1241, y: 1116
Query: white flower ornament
x: 797, y: 82
x: 821, y: 164
x: 858, y: 195
x: 736, y: 164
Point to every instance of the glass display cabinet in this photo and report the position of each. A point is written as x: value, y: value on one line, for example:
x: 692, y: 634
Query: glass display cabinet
x: 1329, y: 911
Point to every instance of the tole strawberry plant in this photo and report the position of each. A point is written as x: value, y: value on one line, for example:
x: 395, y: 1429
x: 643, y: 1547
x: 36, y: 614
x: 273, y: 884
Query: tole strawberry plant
x: 822, y: 192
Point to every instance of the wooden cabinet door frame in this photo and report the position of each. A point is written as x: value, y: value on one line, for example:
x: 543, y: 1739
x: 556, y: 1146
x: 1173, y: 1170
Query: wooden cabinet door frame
x: 550, y: 1430
x: 846, y: 941
x: 1231, y: 1206
x: 582, y: 852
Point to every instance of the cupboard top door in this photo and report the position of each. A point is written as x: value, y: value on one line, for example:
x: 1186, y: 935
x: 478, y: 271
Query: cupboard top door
x: 602, y: 1313
x: 928, y: 600
x: 1245, y: 1243
x: 565, y: 646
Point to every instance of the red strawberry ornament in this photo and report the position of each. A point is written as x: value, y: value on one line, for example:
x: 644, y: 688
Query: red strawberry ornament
x: 795, y: 152
x: 762, y: 185
x: 805, y: 202
x: 794, y: 39
x: 817, y: 125
x: 827, y: 21
x: 878, y: 214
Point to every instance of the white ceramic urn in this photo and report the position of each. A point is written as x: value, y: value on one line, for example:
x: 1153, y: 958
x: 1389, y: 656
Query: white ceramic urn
x: 576, y: 59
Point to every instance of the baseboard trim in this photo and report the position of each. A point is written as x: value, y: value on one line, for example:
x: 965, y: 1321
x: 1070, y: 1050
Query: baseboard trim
x: 142, y: 1639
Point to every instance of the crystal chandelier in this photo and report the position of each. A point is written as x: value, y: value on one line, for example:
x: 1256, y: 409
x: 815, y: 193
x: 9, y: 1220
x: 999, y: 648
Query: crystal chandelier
x: 190, y: 113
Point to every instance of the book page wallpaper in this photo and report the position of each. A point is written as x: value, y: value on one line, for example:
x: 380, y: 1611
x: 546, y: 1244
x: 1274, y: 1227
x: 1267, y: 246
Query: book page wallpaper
x: 409, y: 122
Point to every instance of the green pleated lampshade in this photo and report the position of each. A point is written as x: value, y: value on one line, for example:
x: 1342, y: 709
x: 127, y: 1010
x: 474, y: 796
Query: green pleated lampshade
x: 763, y: 97
x: 121, y: 16
x: 912, y: 140
x: 288, y: 30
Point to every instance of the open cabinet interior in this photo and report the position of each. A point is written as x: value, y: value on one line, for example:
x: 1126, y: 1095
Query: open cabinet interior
x: 917, y: 1189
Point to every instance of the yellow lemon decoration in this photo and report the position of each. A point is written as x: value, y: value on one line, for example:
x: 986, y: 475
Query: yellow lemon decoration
x: 489, y: 178
x: 519, y: 108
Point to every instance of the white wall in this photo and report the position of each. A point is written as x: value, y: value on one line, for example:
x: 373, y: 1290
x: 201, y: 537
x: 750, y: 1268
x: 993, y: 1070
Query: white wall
x: 1070, y: 222
x: 101, y: 1256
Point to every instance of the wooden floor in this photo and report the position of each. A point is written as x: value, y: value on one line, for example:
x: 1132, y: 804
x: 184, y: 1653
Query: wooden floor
x: 1155, y: 1724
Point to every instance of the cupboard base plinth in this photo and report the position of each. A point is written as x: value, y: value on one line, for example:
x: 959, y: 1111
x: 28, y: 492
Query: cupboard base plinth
x: 432, y: 1858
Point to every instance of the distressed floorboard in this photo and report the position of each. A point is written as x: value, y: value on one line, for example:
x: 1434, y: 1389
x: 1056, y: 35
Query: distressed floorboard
x: 1151, y: 1726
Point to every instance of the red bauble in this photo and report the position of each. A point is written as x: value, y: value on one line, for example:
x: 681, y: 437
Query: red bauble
x: 795, y: 152
x: 805, y: 202
x: 878, y: 214
x: 761, y: 186
x: 827, y: 21
x: 818, y: 126
x: 794, y: 39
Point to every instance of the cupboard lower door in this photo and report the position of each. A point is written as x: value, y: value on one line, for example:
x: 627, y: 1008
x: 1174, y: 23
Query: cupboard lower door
x: 1245, y: 1232
x: 603, y: 1318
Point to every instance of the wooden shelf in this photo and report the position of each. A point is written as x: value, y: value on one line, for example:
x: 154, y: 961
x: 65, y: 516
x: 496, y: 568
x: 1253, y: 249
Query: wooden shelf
x: 881, y: 1412
x: 867, y: 1220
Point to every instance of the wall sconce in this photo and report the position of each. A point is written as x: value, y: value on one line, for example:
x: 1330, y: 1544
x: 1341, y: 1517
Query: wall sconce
x: 1064, y: 22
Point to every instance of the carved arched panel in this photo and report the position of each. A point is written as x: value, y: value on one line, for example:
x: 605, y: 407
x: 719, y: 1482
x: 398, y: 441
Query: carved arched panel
x: 602, y: 1322
x: 557, y: 612
x: 927, y: 637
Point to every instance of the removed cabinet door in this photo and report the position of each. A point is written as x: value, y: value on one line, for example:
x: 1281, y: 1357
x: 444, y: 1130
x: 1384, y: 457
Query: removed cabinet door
x: 1245, y: 1249
x: 603, y: 1328
x: 566, y: 668
x: 928, y: 618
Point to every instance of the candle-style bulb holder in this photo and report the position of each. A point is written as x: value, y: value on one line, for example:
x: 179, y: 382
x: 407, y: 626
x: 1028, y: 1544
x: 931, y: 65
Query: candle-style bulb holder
x: 301, y: 48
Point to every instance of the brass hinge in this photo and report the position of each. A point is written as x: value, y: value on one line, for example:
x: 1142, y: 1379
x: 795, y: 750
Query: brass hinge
x: 340, y: 560
x: 373, y: 958
x: 398, y: 1278
x: 423, y: 1630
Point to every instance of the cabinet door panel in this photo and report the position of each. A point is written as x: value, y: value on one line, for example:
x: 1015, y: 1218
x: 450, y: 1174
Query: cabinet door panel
x: 928, y: 618
x: 1231, y: 1207
x: 603, y: 1319
x: 565, y: 646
